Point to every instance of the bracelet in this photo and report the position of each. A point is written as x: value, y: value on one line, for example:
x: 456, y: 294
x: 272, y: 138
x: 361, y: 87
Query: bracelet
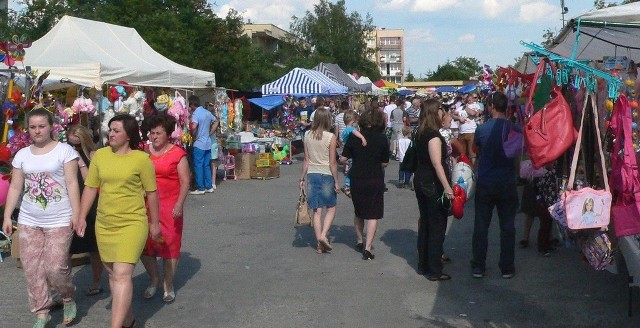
x: 82, y: 165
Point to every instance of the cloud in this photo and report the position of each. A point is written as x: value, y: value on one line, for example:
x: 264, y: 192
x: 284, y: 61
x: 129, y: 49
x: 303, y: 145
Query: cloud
x: 278, y: 12
x: 467, y: 38
x: 393, y: 4
x: 538, y: 11
x: 420, y: 35
x: 496, y: 8
x: 434, y: 5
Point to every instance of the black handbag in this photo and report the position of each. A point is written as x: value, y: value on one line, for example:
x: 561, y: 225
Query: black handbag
x: 410, y: 160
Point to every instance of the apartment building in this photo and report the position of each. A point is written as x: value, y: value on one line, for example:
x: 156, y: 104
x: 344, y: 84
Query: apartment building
x: 389, y: 53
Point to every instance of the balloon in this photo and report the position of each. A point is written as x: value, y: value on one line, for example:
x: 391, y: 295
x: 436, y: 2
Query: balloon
x: 11, y: 133
x: 462, y: 183
x: 5, y: 153
x: 459, y: 198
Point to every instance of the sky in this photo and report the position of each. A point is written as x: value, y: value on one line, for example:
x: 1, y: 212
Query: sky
x: 437, y: 30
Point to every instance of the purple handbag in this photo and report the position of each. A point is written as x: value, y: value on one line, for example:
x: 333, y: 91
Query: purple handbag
x: 512, y: 141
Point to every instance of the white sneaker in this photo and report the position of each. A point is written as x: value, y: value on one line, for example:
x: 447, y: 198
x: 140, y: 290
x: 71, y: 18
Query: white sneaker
x: 210, y: 190
x: 197, y: 192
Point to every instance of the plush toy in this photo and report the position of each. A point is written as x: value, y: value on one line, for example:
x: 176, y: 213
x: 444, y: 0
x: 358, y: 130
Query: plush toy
x: 280, y: 154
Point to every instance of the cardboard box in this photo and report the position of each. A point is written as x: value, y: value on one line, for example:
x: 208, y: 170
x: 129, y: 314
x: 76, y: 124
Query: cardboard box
x: 265, y: 172
x: 265, y: 156
x: 244, y: 162
x: 263, y: 163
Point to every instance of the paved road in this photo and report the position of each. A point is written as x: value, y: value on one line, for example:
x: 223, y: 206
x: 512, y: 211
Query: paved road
x: 244, y: 265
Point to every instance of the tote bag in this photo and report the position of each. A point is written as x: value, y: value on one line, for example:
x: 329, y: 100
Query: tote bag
x: 549, y: 132
x: 302, y: 216
x: 587, y: 208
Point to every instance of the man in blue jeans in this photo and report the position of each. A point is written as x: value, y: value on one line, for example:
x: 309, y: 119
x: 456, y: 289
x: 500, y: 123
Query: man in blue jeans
x: 496, y: 187
x: 201, y: 128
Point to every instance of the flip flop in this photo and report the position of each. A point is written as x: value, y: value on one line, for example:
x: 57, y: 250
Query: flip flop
x: 94, y: 291
x: 70, y: 311
x: 441, y: 277
x: 150, y: 292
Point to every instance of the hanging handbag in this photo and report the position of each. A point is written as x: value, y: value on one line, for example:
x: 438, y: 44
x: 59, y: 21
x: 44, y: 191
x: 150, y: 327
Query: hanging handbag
x: 512, y: 140
x: 587, y: 208
x: 624, y: 181
x: 302, y: 210
x: 597, y: 249
x: 549, y: 132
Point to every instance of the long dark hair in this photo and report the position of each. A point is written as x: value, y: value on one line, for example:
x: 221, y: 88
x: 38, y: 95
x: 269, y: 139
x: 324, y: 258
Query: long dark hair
x: 429, y: 116
x: 130, y: 126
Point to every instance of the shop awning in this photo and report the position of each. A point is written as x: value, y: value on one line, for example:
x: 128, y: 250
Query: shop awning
x: 268, y: 102
x: 300, y: 81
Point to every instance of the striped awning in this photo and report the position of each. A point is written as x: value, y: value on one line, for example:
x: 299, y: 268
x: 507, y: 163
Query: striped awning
x: 300, y: 81
x: 338, y: 75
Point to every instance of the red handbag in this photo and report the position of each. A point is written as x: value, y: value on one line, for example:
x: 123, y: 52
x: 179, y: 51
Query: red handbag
x: 549, y: 132
x: 624, y: 173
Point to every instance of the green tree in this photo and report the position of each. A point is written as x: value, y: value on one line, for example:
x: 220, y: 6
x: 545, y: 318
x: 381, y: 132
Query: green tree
x: 185, y: 31
x: 409, y: 77
x: 548, y: 38
x: 462, y: 68
x: 330, y: 33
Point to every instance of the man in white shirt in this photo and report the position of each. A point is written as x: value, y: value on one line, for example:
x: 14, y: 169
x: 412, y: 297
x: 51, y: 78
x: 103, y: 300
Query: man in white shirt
x: 467, y: 116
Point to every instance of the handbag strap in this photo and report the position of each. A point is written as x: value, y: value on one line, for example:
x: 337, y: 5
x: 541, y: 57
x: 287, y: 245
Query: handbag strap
x: 528, y: 107
x: 576, y: 151
x: 303, y: 196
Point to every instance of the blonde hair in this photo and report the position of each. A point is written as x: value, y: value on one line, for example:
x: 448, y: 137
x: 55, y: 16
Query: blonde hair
x: 322, y: 121
x: 84, y: 134
x: 350, y: 116
x: 588, y: 201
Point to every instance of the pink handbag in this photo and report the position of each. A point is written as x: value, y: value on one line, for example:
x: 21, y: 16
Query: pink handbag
x: 587, y: 208
x: 624, y: 179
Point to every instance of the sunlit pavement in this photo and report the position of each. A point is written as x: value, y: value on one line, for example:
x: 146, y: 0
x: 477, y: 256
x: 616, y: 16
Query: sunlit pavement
x: 243, y: 264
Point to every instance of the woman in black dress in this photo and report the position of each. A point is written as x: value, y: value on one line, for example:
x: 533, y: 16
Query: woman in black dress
x: 367, y: 177
x: 80, y: 138
x: 431, y: 183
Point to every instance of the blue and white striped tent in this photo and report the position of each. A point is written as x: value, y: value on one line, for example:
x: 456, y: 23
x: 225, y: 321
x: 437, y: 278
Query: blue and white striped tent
x: 300, y: 81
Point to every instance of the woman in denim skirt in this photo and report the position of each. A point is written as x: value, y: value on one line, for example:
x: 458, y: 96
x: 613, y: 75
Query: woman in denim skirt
x: 320, y: 175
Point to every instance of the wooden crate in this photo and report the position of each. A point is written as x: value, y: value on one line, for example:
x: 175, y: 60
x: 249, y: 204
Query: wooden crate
x: 265, y: 172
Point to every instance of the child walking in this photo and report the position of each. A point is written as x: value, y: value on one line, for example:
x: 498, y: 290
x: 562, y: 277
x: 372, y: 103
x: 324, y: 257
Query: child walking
x: 350, y: 120
x: 404, y: 177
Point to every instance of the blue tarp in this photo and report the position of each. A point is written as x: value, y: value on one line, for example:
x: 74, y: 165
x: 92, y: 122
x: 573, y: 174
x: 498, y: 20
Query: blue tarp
x: 446, y: 88
x: 405, y: 92
x: 268, y: 102
x: 468, y: 88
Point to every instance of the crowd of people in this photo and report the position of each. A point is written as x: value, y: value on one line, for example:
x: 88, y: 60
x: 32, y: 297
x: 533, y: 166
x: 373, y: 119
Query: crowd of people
x: 122, y: 203
x: 71, y: 200
x: 442, y: 132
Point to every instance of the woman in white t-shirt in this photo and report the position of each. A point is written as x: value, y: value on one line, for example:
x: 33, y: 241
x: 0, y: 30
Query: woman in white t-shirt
x: 45, y: 176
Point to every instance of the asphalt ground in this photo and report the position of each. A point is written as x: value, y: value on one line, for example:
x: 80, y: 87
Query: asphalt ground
x: 243, y: 264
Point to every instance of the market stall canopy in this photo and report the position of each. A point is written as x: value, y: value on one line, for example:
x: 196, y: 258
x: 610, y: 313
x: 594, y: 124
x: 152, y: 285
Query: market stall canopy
x: 446, y: 88
x: 268, y: 102
x: 374, y: 89
x: 467, y: 88
x: 336, y: 74
x: 405, y: 92
x: 301, y: 81
x: 92, y: 53
x: 386, y: 84
x: 612, y: 31
x: 526, y: 65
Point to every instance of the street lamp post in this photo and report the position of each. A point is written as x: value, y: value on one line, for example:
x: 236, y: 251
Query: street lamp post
x: 564, y: 11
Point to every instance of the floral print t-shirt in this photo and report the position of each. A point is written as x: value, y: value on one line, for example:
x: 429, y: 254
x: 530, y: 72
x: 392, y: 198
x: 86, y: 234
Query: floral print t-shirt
x: 45, y: 202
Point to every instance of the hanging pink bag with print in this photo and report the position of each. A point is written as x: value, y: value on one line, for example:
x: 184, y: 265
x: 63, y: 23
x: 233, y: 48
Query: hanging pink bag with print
x: 587, y: 208
x: 625, y: 181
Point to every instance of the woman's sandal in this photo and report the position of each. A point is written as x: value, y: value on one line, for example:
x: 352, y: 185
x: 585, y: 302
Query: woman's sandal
x: 132, y: 325
x: 441, y: 277
x: 94, y: 291
x: 169, y: 297
x: 150, y: 292
x: 325, y: 244
x: 42, y: 322
x: 70, y: 311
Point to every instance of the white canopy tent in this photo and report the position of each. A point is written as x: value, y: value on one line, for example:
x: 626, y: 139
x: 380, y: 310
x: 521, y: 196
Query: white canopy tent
x: 612, y: 31
x: 91, y: 53
x: 374, y: 89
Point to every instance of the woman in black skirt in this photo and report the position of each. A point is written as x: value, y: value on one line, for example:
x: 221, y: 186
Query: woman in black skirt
x: 80, y: 138
x: 367, y: 177
x: 433, y: 192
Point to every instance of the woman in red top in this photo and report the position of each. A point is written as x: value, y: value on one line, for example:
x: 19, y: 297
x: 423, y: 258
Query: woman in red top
x: 172, y: 173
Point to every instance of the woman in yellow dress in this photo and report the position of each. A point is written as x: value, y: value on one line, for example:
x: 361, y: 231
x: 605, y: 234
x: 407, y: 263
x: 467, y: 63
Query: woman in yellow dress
x: 123, y: 174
